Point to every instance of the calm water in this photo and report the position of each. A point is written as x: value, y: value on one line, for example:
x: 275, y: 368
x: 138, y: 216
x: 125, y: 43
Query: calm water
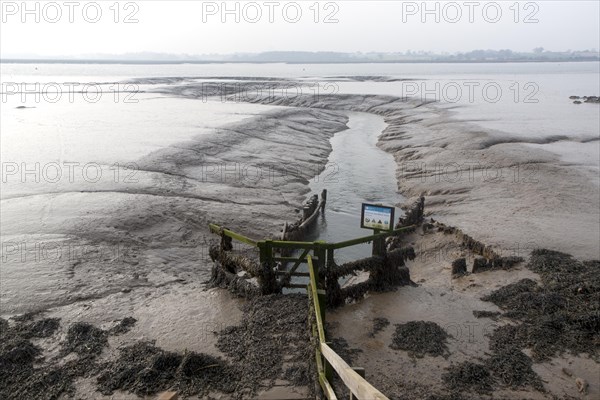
x: 529, y: 101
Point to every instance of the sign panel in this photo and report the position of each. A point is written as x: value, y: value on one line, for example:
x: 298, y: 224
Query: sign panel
x: 375, y: 216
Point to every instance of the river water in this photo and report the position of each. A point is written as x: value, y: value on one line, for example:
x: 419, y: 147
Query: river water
x: 355, y: 158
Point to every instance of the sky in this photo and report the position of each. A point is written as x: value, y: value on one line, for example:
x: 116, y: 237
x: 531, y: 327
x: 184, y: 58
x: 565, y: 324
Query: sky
x: 72, y: 28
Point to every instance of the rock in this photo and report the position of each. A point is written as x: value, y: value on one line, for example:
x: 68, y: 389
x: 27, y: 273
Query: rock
x: 574, y: 97
x: 582, y: 385
x: 567, y: 372
x: 576, y: 102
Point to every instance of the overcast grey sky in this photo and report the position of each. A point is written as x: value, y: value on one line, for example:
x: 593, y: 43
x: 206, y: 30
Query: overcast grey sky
x: 201, y: 27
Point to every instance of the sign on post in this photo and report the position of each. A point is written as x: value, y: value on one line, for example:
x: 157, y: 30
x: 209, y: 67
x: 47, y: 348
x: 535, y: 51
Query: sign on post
x: 374, y: 216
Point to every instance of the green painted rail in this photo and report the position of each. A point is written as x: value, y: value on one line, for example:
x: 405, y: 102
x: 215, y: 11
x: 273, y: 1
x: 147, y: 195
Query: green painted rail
x: 280, y: 244
x: 327, y: 359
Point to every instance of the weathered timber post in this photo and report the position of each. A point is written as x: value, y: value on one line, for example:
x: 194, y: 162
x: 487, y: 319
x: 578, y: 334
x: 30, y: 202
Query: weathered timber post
x: 378, y: 245
x: 321, y: 253
x: 268, y: 279
x: 323, y: 199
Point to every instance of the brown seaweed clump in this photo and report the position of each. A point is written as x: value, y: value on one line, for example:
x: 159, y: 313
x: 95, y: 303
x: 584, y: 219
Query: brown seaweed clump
x: 420, y: 338
x: 145, y: 369
x: 26, y: 375
x: 562, y: 314
x: 379, y: 324
x: 512, y: 368
x: 274, y: 328
x: 468, y: 376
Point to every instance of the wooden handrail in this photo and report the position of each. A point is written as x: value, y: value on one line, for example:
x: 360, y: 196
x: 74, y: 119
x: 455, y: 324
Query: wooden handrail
x: 357, y: 384
x: 217, y: 229
x: 315, y: 298
x: 364, y: 239
x: 282, y: 244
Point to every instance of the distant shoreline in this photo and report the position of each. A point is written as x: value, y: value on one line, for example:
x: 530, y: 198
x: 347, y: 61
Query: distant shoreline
x: 176, y: 62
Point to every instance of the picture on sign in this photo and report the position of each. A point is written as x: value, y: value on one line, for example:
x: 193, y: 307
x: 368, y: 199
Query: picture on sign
x: 377, y: 217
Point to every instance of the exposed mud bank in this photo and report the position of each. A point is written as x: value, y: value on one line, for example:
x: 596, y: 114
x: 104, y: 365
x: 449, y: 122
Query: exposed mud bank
x: 520, y: 350
x: 492, y: 187
x: 142, y: 250
x: 269, y: 350
x: 250, y: 176
x: 149, y: 241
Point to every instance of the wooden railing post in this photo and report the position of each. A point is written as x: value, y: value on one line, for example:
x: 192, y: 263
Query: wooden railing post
x: 360, y: 371
x: 378, y: 244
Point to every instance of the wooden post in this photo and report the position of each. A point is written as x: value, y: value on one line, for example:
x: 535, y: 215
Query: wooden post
x: 321, y: 254
x: 306, y: 212
x: 269, y: 252
x: 324, y: 200
x: 330, y: 260
x: 378, y: 245
x: 360, y: 371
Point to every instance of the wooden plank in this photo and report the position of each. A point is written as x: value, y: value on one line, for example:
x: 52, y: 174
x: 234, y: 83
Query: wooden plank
x: 315, y: 298
x: 167, y: 396
x: 312, y: 217
x: 327, y: 389
x: 361, y: 372
x: 357, y: 385
x: 292, y: 245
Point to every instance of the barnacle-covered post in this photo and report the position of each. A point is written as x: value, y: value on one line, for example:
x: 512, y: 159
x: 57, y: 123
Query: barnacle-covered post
x: 323, y: 200
x: 378, y: 244
x: 267, y: 279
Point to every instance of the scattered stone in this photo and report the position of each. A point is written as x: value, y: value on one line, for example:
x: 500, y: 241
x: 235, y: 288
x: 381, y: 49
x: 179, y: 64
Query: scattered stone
x: 567, y: 372
x: 582, y: 385
x: 123, y: 326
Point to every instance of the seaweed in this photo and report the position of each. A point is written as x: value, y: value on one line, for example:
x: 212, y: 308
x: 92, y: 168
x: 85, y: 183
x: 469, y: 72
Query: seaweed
x: 513, y: 368
x: 468, y: 376
x: 562, y: 314
x: 420, y: 338
x: 123, y: 326
x: 85, y: 339
x: 145, y: 369
x: 378, y: 325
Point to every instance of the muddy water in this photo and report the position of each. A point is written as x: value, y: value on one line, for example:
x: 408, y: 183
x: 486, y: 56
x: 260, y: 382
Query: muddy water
x: 357, y: 172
